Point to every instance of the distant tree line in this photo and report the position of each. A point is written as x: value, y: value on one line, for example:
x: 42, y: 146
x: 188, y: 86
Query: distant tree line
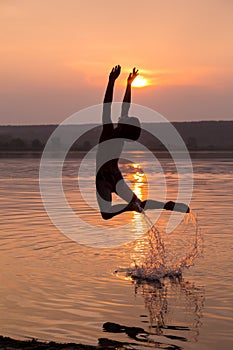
x: 198, y: 136
x: 18, y: 144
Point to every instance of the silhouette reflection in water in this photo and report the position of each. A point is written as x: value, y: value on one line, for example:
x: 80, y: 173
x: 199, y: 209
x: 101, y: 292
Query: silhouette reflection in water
x: 174, y: 311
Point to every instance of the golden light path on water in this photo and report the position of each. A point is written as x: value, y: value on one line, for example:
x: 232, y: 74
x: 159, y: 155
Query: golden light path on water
x: 139, y: 182
x: 153, y: 253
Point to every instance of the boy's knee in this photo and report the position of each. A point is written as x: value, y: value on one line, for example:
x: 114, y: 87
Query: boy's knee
x: 106, y: 216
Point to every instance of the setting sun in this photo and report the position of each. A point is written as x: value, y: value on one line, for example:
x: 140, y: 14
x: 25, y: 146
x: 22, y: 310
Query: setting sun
x: 140, y: 82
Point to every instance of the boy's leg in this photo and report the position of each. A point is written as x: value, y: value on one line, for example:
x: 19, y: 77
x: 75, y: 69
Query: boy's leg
x: 135, y: 204
x: 104, y: 198
x: 151, y: 204
x: 125, y: 192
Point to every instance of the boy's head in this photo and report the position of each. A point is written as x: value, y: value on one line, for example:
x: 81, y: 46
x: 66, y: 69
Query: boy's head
x: 129, y: 128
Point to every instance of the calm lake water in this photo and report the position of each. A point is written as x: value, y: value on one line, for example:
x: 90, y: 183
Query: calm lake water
x: 53, y: 288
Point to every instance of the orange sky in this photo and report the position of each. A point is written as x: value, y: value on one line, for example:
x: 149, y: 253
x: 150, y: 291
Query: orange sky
x: 56, y: 56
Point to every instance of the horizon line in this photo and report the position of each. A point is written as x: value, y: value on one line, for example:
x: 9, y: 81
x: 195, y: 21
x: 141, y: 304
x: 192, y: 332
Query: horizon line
x: 159, y: 122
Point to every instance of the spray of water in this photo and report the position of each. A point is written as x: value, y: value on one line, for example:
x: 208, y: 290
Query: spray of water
x: 155, y: 263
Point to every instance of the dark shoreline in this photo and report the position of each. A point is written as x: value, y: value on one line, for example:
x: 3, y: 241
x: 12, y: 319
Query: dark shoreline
x: 8, y: 343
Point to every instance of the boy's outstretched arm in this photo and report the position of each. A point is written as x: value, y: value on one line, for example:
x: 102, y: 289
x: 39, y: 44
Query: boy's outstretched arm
x: 115, y: 72
x: 127, y: 97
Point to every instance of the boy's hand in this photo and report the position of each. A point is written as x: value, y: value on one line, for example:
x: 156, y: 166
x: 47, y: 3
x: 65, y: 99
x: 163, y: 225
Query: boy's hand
x: 115, y: 73
x: 132, y: 76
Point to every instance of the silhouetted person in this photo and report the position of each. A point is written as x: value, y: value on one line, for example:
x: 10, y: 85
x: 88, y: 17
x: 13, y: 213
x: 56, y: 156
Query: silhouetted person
x: 109, y: 178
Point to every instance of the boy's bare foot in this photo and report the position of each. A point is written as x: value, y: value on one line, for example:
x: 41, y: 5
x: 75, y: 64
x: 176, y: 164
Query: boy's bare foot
x: 180, y: 207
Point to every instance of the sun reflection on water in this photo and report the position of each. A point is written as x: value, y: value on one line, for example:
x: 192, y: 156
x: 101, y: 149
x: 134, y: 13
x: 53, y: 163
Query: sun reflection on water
x: 140, y: 189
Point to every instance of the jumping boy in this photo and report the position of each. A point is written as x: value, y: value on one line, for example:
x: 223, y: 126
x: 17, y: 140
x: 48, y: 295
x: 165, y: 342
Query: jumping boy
x: 109, y: 178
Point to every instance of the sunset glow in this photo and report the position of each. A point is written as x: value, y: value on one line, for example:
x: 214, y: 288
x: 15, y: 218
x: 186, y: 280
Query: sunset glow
x: 52, y: 65
x: 140, y: 82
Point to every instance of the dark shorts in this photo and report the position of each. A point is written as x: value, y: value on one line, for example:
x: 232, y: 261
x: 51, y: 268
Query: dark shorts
x: 110, y: 176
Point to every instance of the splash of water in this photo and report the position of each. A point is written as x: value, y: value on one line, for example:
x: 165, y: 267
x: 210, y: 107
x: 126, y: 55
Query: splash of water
x: 155, y: 262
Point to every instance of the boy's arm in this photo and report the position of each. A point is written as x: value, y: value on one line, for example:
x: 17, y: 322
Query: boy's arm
x: 106, y: 118
x: 127, y: 98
